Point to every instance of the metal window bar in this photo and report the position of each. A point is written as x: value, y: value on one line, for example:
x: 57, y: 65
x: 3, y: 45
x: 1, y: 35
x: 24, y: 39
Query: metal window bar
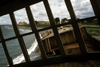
x: 76, y: 27
x: 5, y: 49
x: 52, y: 22
x: 34, y: 28
x: 20, y: 39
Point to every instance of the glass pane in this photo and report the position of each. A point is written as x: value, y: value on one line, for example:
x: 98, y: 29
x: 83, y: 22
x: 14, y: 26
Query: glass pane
x: 32, y: 47
x: 91, y: 34
x: 15, y: 51
x: 6, y: 26
x: 91, y: 22
x: 68, y: 39
x: 59, y: 10
x: 50, y: 43
x: 22, y: 21
x: 3, y: 59
x: 82, y: 8
x: 40, y: 15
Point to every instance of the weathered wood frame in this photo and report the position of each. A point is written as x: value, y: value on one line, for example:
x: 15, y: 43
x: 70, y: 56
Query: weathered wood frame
x: 6, y: 9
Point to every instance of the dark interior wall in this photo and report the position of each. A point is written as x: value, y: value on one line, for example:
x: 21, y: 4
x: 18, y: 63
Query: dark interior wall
x: 98, y: 3
x: 13, y: 5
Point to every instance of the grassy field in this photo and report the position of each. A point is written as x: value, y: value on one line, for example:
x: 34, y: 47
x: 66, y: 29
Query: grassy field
x: 90, y: 23
x: 40, y: 25
x: 93, y: 31
x: 43, y: 25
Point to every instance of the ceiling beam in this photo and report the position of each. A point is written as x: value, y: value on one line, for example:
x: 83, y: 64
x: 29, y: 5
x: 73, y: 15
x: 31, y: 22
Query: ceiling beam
x: 13, y: 5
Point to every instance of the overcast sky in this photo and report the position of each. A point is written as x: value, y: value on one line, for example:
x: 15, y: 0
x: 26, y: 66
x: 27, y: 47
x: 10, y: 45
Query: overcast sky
x: 82, y: 9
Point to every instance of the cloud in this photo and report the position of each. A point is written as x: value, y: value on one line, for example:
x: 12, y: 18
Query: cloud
x: 82, y: 9
x: 39, y: 13
x: 21, y: 15
x: 5, y: 19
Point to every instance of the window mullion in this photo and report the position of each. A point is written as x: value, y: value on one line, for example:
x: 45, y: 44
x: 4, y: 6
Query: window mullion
x: 76, y: 27
x: 34, y: 28
x: 52, y: 22
x: 5, y: 49
x: 20, y: 39
x: 96, y: 8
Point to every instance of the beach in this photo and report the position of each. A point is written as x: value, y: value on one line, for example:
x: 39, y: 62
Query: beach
x: 30, y: 42
x: 14, y: 48
x: 42, y: 33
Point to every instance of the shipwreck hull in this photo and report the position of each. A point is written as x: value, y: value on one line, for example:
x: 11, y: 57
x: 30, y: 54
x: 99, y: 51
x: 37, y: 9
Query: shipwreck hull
x: 69, y: 42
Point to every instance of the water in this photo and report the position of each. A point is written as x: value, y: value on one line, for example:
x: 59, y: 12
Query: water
x: 14, y: 47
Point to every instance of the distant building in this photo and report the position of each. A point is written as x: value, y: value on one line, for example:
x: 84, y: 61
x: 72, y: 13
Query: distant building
x: 43, y: 22
x: 22, y: 23
x: 47, y: 22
